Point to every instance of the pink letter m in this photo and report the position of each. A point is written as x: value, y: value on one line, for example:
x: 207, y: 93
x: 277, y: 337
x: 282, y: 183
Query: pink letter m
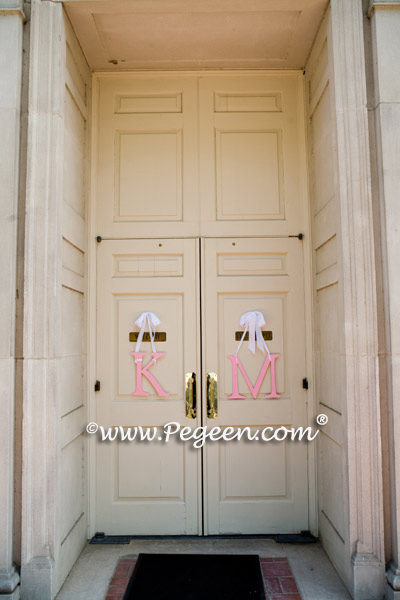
x: 256, y: 388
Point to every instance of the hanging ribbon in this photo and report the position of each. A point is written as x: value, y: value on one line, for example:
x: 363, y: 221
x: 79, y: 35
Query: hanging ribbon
x: 152, y: 321
x: 252, y: 322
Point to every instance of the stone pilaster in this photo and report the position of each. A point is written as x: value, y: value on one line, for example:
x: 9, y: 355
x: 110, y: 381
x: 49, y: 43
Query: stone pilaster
x: 364, y: 465
x: 11, y: 38
x: 385, y: 33
x: 41, y: 311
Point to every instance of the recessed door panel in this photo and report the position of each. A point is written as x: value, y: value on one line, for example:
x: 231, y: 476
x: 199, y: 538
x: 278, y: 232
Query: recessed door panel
x: 147, y: 168
x: 251, y: 161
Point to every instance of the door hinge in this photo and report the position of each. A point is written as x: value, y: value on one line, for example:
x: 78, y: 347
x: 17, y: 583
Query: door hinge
x: 97, y: 386
x: 305, y: 383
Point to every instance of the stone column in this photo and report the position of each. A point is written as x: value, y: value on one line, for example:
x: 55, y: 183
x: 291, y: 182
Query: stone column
x: 41, y: 310
x: 385, y: 31
x: 364, y: 465
x: 11, y: 26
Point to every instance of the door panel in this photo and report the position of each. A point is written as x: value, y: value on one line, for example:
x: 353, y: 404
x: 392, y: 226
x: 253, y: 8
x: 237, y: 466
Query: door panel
x: 255, y: 486
x: 214, y: 155
x: 146, y: 487
x: 147, y: 157
x: 251, y: 161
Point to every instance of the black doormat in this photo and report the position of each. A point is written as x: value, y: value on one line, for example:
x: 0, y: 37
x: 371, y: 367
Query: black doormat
x: 196, y: 577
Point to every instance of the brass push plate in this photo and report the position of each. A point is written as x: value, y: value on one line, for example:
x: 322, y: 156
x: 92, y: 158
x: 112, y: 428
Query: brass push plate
x: 159, y: 336
x: 267, y: 335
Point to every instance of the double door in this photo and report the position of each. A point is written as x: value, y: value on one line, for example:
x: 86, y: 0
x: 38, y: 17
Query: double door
x: 199, y: 289
x: 199, y: 194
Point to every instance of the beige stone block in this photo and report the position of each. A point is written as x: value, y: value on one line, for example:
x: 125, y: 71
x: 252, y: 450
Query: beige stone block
x: 369, y: 579
x: 71, y: 375
x: 72, y: 500
x: 9, y: 128
x: 11, y: 4
x: 10, y: 61
x: 394, y: 370
x: 72, y: 426
x: 386, y: 43
x: 391, y: 594
x: 328, y: 339
x: 332, y: 543
x: 37, y: 579
x: 6, y: 457
x: 71, y: 548
x: 325, y: 223
x: 39, y: 479
x: 331, y: 481
x: 388, y: 119
x: 73, y: 322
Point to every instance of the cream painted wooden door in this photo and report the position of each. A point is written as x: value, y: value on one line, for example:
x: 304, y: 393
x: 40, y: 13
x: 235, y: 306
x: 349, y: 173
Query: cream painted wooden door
x: 255, y: 486
x: 146, y: 487
x: 182, y: 157
x: 249, y: 486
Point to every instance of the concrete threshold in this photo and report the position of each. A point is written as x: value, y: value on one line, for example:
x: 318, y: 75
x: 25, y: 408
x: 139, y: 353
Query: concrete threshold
x: 315, y: 575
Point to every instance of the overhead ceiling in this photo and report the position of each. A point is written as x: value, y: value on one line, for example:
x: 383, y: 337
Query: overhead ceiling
x: 191, y: 34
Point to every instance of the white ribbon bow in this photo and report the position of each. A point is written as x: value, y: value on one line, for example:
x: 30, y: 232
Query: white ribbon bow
x: 153, y: 321
x: 252, y: 322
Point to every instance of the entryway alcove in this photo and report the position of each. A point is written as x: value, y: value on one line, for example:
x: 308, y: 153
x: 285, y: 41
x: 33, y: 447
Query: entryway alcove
x: 206, y: 150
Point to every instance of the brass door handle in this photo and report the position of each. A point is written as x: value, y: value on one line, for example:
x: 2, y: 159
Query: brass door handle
x: 190, y: 395
x: 212, y: 395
